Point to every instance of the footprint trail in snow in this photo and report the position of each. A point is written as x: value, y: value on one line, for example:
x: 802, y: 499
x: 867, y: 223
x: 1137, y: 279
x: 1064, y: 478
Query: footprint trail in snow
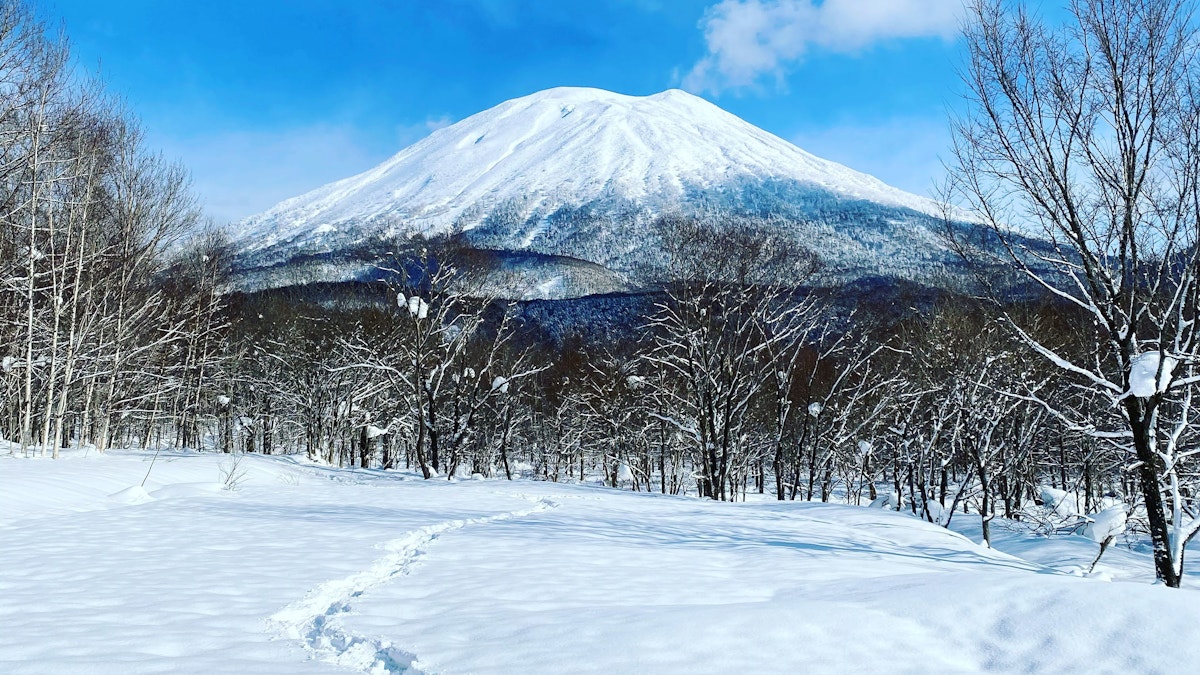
x: 312, y: 620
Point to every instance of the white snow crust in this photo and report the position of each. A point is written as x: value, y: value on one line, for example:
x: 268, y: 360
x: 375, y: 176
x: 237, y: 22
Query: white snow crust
x: 306, y: 568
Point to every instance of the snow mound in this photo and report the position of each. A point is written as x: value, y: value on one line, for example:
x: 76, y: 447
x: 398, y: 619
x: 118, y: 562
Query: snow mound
x: 887, y: 500
x: 624, y: 473
x: 132, y: 495
x: 1061, y: 502
x: 1106, y: 524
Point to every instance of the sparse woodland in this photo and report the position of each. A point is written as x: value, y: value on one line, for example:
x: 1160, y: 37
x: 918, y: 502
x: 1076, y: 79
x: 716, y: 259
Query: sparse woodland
x: 118, y: 326
x: 109, y: 326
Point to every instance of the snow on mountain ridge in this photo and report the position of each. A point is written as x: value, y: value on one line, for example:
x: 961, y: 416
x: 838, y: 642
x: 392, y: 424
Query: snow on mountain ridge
x: 559, y: 147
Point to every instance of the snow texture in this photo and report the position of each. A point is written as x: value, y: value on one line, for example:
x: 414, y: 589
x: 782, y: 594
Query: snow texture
x: 1144, y: 377
x: 311, y: 620
x: 311, y: 569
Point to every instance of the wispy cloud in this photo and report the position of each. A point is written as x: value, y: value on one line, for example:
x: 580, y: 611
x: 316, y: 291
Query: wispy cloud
x: 407, y: 134
x: 904, y: 152
x: 435, y: 123
x: 752, y: 39
x: 239, y: 173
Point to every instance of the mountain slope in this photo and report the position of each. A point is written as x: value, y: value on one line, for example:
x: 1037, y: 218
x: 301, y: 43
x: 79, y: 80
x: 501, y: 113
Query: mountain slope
x: 581, y: 173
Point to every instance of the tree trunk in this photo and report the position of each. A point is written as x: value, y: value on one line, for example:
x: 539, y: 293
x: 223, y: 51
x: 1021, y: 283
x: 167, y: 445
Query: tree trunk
x: 1156, y: 515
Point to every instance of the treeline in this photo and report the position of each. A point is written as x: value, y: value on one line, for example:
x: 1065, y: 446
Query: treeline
x: 107, y: 323
x: 736, y: 382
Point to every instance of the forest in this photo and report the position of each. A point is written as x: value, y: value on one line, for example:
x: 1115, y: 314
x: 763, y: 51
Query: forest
x: 121, y: 326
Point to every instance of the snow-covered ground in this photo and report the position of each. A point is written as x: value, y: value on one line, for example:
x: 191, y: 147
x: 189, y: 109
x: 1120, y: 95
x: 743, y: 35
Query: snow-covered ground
x: 305, y: 568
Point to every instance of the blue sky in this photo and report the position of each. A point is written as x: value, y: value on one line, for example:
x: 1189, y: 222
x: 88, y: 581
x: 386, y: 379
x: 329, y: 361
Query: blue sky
x: 266, y: 99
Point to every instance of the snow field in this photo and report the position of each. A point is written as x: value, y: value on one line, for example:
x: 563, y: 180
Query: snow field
x: 186, y: 582
x: 311, y: 569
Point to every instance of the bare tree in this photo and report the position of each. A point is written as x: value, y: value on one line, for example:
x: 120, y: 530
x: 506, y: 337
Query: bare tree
x: 1087, y: 134
x: 87, y: 216
x: 726, y: 325
x: 442, y: 354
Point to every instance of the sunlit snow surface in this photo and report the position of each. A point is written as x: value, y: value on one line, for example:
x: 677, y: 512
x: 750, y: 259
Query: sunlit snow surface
x: 558, y: 147
x: 311, y: 569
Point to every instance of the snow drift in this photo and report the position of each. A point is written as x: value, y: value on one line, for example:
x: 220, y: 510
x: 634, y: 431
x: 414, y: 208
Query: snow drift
x: 307, y: 568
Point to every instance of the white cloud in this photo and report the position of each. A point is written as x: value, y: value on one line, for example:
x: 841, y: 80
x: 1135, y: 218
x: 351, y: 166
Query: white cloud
x: 749, y: 39
x: 407, y: 134
x: 435, y: 123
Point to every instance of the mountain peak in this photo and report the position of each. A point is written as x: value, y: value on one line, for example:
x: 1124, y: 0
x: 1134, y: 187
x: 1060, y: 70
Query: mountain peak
x: 580, y: 173
x: 594, y: 94
x: 560, y: 146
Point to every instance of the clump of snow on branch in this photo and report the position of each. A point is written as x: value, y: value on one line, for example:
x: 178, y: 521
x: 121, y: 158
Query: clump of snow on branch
x: 417, y: 307
x: 500, y: 384
x: 1106, y: 524
x: 1144, y: 377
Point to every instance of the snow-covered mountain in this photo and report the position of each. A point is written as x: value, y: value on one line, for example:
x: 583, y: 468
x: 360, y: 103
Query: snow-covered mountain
x: 579, y: 174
